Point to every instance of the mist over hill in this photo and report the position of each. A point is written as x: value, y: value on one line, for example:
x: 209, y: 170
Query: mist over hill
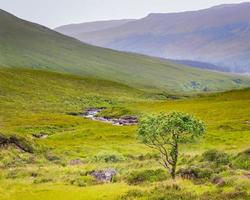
x: 78, y: 29
x: 219, y: 35
x: 28, y: 45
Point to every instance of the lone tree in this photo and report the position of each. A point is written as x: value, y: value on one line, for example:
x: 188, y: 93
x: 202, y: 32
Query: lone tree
x: 165, y: 132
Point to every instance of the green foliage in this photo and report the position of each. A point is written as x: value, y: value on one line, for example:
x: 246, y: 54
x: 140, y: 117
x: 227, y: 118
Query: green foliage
x: 165, y: 132
x: 108, y: 157
x: 138, y: 177
x: 83, y: 181
x: 242, y: 160
x: 132, y: 194
x: 196, y: 173
x: 166, y: 129
x: 161, y: 192
x: 216, y: 156
x: 42, y: 180
x: 19, y: 142
x: 234, y: 195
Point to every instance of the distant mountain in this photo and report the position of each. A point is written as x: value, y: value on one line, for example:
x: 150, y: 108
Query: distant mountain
x: 219, y: 35
x: 77, y: 29
x: 201, y: 65
x: 27, y: 45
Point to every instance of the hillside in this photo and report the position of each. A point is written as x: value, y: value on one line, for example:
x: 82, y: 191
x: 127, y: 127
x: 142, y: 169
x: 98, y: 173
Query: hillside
x: 77, y: 29
x: 219, y: 35
x: 28, y: 45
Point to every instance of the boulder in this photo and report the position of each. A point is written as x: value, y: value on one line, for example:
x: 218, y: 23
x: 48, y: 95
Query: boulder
x: 40, y: 136
x: 104, y: 175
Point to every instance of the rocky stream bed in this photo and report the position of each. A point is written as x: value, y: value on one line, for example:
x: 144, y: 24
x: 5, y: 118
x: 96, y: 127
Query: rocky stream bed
x: 92, y: 113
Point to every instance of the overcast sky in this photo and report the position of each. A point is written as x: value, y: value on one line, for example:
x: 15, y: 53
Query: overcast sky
x: 53, y: 13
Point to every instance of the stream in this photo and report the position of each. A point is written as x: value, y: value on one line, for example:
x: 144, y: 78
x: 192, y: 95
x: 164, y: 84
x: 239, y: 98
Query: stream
x: 123, y: 121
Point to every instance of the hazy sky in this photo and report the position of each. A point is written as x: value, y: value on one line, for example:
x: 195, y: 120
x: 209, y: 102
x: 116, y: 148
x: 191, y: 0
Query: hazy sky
x: 53, y: 13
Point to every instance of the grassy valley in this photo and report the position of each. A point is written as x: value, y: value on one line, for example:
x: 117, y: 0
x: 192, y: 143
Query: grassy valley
x: 50, y: 150
x: 37, y: 102
x: 27, y: 45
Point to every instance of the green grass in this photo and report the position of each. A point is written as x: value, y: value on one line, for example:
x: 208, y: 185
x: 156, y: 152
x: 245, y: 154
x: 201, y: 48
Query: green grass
x: 28, y: 45
x: 38, y: 102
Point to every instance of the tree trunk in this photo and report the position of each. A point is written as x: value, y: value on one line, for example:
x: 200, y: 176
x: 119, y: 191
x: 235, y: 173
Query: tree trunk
x: 173, y: 171
x: 174, y: 159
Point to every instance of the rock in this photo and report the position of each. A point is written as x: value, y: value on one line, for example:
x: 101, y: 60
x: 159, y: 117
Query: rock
x: 40, y: 136
x: 218, y: 181
x: 104, y: 175
x: 76, y: 162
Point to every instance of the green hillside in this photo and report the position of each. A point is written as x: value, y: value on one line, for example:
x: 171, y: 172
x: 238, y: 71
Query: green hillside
x: 28, y: 45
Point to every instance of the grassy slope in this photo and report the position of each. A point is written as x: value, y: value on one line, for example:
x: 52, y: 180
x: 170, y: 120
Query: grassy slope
x: 24, y: 44
x: 35, y: 101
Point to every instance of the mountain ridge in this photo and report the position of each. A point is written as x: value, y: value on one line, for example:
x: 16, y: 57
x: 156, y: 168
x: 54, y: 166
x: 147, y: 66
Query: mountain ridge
x: 78, y: 28
x: 219, y: 35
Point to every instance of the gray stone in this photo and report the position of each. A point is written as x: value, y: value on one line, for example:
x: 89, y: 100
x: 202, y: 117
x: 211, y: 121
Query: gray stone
x: 104, y: 175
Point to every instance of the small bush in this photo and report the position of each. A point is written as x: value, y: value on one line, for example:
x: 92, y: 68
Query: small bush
x: 242, y: 160
x: 108, y: 157
x: 42, y: 180
x: 171, y: 195
x: 83, y: 181
x: 142, y: 157
x: 235, y: 195
x: 218, y: 157
x: 160, y: 193
x: 132, y: 194
x: 196, y: 173
x: 137, y: 177
x: 20, y: 142
x: 51, y: 157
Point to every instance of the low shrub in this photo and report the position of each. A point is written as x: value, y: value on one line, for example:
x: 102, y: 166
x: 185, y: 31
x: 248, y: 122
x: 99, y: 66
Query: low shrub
x: 19, y: 142
x: 83, y: 181
x: 51, y: 157
x: 242, y: 160
x: 218, y: 157
x: 235, y: 195
x: 137, y: 177
x: 108, y: 157
x: 160, y: 193
x: 196, y: 173
x: 142, y: 157
x: 42, y: 180
x: 132, y: 194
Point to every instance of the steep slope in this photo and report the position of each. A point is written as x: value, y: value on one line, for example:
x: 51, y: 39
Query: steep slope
x: 77, y: 29
x: 28, y: 45
x: 219, y: 35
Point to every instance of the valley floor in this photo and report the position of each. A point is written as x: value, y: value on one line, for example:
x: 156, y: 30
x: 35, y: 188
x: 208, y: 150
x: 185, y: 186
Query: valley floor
x: 37, y: 103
